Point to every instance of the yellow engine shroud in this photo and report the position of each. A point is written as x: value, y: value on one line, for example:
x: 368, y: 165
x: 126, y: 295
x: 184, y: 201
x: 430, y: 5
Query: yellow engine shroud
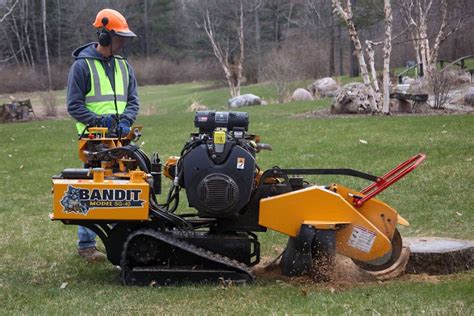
x: 100, y: 200
x: 363, y: 233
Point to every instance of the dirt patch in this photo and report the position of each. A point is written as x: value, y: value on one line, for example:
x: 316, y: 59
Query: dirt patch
x: 345, y: 275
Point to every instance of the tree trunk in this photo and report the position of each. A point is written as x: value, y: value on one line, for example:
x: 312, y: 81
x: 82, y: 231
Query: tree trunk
x: 354, y: 71
x: 145, y: 22
x: 332, y: 59
x: 58, y: 7
x: 35, y: 31
x: 387, y: 51
x: 354, y: 65
x: 43, y: 10
x: 371, y: 59
x: 439, y: 38
x: 258, y: 43
x: 436, y: 256
x: 341, y: 54
x: 347, y: 16
x: 232, y: 69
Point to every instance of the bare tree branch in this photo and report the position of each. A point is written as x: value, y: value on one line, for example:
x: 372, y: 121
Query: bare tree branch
x: 10, y: 10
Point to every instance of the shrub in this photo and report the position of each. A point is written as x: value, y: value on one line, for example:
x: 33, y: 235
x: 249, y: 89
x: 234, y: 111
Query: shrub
x: 48, y: 99
x: 441, y: 83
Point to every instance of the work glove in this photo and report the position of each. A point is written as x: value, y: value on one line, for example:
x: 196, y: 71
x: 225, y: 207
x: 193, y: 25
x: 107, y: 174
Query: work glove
x: 106, y: 121
x: 123, y: 128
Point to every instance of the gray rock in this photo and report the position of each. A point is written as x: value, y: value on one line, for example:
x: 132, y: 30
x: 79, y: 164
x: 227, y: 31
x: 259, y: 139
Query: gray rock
x: 408, y: 80
x: 244, y: 100
x: 324, y: 87
x: 352, y: 99
x: 400, y: 106
x: 301, y: 95
x: 469, y: 97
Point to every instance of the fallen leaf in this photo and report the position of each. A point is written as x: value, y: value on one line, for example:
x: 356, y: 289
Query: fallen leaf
x: 458, y: 214
x: 63, y: 285
x: 363, y: 141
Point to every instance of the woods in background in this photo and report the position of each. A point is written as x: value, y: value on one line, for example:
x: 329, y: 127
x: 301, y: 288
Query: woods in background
x: 174, y: 44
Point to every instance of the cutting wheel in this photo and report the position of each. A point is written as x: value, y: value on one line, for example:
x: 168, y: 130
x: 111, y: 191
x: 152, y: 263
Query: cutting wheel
x: 397, y: 247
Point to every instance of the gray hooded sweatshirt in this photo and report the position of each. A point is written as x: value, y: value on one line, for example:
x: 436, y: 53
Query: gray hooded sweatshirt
x: 79, y: 84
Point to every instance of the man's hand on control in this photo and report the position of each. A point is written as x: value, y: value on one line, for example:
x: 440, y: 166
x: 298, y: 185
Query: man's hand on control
x: 123, y: 128
x: 108, y: 121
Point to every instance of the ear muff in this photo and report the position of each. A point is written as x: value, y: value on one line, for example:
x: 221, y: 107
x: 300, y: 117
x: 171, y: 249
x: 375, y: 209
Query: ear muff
x: 104, y: 35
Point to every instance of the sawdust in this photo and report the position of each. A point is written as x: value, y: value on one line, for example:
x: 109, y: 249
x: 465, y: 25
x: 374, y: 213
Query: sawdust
x: 345, y: 275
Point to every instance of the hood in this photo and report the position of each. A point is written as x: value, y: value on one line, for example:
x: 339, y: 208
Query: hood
x: 87, y: 51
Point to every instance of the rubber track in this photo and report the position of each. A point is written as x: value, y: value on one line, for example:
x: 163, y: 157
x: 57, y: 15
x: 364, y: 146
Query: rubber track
x: 174, y: 242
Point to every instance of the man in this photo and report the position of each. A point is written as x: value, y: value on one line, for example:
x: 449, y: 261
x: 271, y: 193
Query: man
x: 102, y: 91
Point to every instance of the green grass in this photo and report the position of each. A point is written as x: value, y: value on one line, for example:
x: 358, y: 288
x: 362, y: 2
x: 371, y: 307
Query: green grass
x: 37, y: 255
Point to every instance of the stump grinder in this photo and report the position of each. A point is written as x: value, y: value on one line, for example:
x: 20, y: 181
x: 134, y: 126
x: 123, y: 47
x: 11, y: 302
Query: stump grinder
x: 231, y: 200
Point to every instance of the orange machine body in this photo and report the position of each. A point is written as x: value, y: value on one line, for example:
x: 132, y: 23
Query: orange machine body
x: 363, y: 233
x: 100, y: 198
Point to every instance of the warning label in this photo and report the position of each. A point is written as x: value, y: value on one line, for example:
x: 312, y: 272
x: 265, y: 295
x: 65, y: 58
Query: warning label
x: 361, y: 238
x: 240, y: 163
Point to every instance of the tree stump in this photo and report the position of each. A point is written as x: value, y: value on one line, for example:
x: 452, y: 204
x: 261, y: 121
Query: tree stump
x: 435, y: 256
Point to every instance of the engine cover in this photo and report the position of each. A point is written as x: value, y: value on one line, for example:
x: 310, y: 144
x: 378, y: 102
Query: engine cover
x: 218, y: 190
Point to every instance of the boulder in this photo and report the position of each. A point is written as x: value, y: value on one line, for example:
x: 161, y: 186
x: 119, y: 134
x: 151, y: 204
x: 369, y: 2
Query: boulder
x: 301, y: 95
x: 324, y: 87
x: 458, y: 77
x: 195, y: 106
x: 244, y: 100
x: 469, y: 97
x: 408, y: 80
x: 463, y: 79
x: 400, y: 106
x: 352, y: 99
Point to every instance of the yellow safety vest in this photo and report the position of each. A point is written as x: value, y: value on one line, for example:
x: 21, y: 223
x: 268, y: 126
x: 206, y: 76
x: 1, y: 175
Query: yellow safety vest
x: 100, y: 98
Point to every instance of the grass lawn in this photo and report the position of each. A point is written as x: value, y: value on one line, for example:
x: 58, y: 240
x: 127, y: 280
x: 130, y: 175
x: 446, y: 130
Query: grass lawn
x: 37, y: 255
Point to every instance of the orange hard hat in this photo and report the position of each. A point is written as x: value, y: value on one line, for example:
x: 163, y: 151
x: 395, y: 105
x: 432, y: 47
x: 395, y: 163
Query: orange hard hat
x: 113, y: 21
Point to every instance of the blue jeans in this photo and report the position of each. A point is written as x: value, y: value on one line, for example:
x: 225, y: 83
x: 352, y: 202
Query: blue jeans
x: 86, y: 238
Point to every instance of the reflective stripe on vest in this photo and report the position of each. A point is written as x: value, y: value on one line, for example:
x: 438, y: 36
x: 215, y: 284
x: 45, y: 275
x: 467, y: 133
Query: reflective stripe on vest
x: 100, y: 98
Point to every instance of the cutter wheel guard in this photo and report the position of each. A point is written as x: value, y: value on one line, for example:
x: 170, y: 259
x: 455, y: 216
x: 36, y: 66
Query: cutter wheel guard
x: 230, y: 198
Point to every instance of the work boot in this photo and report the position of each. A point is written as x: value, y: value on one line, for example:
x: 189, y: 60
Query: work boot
x: 91, y: 254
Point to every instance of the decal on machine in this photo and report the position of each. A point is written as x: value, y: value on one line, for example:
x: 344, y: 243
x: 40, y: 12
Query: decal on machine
x: 81, y: 201
x: 362, y: 238
x: 240, y: 163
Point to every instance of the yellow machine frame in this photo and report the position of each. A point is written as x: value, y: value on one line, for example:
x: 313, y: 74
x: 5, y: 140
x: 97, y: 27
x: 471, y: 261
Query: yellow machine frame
x: 364, y: 233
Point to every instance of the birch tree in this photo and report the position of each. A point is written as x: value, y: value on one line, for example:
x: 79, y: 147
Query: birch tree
x: 345, y: 13
x: 46, y: 53
x: 231, y: 66
x: 370, y: 79
x: 418, y: 15
x: 387, y: 52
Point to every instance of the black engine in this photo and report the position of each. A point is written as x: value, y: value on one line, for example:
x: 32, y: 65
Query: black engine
x: 218, y: 164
